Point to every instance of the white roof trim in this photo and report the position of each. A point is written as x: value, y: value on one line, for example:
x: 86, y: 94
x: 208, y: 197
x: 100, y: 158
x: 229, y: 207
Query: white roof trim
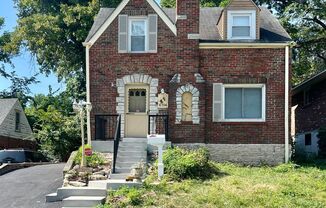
x: 117, y: 11
x: 243, y: 45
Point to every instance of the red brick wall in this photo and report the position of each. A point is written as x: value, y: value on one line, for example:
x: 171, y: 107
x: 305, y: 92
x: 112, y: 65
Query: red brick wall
x: 9, y: 143
x: 106, y: 64
x: 246, y: 66
x: 313, y: 115
x: 180, y: 55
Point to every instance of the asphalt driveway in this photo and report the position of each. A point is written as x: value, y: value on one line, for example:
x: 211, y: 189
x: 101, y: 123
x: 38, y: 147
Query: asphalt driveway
x: 26, y: 188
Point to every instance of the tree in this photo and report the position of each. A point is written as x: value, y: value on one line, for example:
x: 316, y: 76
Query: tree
x: 19, y: 87
x: 203, y: 3
x: 56, y: 129
x: 53, y: 31
x: 306, y: 23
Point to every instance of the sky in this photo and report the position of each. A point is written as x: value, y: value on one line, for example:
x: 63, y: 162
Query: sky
x: 25, y: 64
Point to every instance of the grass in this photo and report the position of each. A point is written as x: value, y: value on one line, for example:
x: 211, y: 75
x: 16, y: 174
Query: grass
x: 287, y: 185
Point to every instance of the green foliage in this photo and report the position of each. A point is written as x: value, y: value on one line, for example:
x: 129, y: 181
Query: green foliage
x: 91, y: 161
x: 305, y: 22
x: 53, y: 31
x: 125, y: 197
x: 203, y: 3
x: 322, y: 142
x: 287, y: 185
x: 56, y: 131
x: 182, y: 163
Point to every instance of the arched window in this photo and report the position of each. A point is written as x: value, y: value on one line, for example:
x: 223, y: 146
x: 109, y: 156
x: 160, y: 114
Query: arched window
x: 186, y: 106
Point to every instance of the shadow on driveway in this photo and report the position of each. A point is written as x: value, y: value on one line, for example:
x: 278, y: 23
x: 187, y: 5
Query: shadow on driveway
x: 26, y: 188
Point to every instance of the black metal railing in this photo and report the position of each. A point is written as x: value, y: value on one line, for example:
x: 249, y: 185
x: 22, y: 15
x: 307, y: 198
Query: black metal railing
x: 105, y: 126
x: 117, y: 138
x: 159, y: 124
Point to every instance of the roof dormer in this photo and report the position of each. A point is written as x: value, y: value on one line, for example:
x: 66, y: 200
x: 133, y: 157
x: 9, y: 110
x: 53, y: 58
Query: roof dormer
x: 239, y: 21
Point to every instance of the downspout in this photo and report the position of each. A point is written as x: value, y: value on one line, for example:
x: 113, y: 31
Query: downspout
x: 89, y: 138
x: 286, y: 120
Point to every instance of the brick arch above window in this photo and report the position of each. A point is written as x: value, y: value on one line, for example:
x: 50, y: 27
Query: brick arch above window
x: 195, y: 103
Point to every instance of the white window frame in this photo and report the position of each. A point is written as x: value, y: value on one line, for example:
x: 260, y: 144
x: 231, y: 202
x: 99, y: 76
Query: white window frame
x: 137, y: 18
x: 263, y: 99
x: 252, y: 21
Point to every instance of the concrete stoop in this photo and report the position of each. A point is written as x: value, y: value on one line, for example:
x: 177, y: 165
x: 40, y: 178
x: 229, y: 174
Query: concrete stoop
x: 131, y: 151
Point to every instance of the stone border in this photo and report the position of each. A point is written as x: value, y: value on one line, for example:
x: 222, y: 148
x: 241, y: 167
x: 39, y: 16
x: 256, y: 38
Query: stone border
x: 195, y: 103
x: 136, y: 79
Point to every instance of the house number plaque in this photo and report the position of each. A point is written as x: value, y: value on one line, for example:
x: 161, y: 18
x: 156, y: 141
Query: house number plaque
x: 163, y: 100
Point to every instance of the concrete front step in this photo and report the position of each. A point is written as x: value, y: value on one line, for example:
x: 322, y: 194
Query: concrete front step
x: 131, y: 153
x: 134, y: 159
x: 53, y: 197
x: 65, y: 192
x: 113, y: 184
x: 135, y: 140
x: 133, y: 148
x: 121, y: 176
x: 122, y: 170
x: 83, y: 201
x: 125, y: 164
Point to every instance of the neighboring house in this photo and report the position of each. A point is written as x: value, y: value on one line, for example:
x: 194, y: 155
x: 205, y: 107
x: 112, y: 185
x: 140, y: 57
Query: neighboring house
x: 224, y: 73
x: 309, y: 101
x: 15, y: 131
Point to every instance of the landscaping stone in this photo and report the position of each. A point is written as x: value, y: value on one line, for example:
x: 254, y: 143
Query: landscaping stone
x: 76, y: 184
x: 96, y: 177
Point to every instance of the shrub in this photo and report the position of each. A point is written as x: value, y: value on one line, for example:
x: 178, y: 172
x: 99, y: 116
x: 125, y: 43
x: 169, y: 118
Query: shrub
x: 91, y: 161
x: 322, y: 142
x: 186, y: 164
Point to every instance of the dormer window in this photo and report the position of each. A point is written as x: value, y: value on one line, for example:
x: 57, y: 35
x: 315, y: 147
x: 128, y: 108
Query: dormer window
x: 138, y: 35
x: 241, y: 25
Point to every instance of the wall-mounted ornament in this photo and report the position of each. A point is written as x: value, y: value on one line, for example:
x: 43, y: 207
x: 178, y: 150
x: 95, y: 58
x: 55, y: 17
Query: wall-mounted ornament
x: 163, y: 100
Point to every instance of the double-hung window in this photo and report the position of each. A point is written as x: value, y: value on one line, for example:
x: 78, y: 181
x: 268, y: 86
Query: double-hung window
x: 241, y: 25
x: 239, y: 102
x: 138, y: 35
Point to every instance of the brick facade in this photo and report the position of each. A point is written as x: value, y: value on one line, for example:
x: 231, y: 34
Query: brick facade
x: 180, y: 55
x: 313, y: 115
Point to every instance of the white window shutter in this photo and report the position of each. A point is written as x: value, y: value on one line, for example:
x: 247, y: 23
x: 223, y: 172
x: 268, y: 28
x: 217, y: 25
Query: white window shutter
x: 152, y: 33
x: 123, y: 34
x: 217, y: 102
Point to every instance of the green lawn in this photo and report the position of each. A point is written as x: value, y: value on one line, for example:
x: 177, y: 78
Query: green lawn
x: 235, y: 186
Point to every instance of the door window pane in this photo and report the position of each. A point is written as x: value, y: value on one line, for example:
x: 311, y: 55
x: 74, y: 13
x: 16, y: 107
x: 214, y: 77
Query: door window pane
x: 137, y: 38
x: 137, y: 101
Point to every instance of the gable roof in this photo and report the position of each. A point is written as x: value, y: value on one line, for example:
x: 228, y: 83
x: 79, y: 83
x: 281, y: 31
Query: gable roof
x: 107, y: 15
x: 5, y: 107
x: 320, y: 77
x: 270, y: 28
x: 232, y: 1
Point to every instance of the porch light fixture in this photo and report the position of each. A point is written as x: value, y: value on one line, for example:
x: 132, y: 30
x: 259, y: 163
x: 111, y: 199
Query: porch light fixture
x: 79, y: 107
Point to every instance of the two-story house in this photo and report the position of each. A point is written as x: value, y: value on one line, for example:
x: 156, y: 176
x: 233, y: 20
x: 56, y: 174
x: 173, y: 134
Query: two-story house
x: 220, y: 75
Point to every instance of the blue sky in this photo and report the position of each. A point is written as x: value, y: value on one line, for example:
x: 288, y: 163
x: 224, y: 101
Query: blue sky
x: 25, y: 64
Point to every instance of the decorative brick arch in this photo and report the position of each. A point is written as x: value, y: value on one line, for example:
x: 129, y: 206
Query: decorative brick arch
x: 195, y: 103
x: 135, y: 79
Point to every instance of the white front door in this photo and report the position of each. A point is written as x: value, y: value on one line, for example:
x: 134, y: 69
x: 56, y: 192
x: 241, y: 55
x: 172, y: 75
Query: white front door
x: 136, y: 118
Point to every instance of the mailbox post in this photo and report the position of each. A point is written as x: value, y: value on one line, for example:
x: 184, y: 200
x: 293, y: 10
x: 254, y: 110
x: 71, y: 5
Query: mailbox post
x: 158, y: 140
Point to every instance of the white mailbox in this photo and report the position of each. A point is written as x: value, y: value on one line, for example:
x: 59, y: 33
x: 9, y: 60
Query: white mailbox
x: 158, y: 140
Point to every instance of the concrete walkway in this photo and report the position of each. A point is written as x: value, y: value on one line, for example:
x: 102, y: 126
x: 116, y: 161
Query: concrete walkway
x: 26, y: 188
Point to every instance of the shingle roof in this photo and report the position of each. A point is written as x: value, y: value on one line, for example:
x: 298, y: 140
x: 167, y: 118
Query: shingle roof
x: 5, y: 107
x: 320, y: 77
x: 270, y: 28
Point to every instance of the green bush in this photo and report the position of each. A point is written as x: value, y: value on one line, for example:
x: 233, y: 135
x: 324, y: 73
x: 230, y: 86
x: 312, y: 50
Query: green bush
x: 322, y: 142
x: 188, y: 164
x: 91, y: 161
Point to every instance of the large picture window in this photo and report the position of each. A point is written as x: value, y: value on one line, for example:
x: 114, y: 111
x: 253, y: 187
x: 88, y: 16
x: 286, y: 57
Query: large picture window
x: 239, y: 102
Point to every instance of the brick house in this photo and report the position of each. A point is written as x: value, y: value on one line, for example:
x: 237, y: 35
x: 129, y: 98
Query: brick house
x: 221, y: 75
x: 15, y: 131
x: 309, y: 105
